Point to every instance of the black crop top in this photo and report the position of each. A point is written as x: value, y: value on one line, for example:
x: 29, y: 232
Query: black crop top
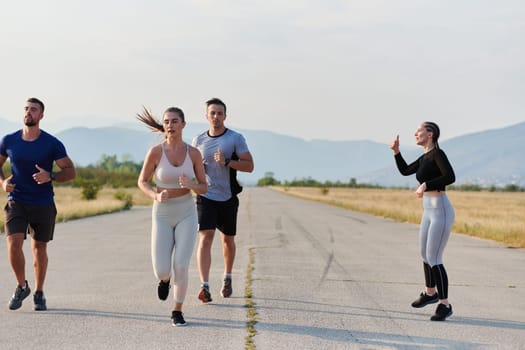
x: 433, y: 168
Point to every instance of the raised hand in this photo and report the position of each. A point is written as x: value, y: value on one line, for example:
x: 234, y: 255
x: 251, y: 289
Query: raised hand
x: 219, y: 157
x: 394, y: 146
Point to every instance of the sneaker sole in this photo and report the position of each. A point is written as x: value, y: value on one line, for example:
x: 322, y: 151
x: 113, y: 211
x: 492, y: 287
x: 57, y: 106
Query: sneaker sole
x: 15, y: 307
x: 179, y: 324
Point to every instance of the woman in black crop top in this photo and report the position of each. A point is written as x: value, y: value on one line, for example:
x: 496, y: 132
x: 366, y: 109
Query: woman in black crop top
x: 433, y: 172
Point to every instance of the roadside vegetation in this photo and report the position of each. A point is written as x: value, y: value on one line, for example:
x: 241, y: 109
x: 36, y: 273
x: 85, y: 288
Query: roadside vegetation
x: 496, y: 215
x: 70, y: 204
x: 108, y: 186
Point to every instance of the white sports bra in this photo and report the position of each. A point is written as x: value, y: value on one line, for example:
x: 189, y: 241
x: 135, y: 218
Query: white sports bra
x: 167, y: 174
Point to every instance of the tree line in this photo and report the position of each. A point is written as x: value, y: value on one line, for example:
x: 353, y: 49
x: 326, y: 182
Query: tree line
x: 269, y: 180
x: 115, y: 173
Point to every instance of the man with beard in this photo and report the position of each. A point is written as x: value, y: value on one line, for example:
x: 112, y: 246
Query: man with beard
x: 31, y: 207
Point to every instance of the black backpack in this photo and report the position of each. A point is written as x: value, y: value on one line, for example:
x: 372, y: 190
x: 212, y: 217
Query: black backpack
x: 234, y: 184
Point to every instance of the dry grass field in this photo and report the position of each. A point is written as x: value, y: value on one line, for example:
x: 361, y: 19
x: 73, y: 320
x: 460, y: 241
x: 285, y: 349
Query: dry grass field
x: 70, y: 205
x: 499, y: 216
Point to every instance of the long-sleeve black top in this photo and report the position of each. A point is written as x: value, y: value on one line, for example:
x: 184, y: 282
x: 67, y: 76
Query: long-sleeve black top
x: 433, y: 168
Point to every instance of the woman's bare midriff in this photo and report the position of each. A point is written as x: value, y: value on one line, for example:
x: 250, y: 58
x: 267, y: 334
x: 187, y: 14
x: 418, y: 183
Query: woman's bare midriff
x: 174, y: 192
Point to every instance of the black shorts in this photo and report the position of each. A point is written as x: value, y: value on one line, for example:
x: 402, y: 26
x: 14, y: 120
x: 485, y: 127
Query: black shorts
x: 37, y: 220
x: 218, y: 215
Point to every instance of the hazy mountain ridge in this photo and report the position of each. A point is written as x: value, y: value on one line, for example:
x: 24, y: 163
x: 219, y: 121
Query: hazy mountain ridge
x: 493, y: 157
x: 499, y: 156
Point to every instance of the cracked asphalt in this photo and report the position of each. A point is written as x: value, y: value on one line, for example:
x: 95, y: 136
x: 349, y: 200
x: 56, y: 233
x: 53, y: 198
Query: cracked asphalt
x: 323, y: 278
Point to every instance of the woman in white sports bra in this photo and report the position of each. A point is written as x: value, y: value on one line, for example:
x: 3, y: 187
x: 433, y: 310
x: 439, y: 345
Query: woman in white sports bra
x: 177, y: 169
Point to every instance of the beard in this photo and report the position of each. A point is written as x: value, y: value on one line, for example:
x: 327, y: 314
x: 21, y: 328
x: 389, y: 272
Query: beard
x: 29, y: 122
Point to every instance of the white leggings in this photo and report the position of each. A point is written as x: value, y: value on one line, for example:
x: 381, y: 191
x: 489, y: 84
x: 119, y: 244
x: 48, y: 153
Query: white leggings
x: 173, y: 235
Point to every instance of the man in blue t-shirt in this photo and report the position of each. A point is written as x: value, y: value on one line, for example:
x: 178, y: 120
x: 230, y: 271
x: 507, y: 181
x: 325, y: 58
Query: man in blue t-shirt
x: 30, y: 204
x: 224, y: 152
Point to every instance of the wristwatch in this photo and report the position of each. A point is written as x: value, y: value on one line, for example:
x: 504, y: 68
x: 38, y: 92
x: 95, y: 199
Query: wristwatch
x: 53, y: 176
x: 227, y: 161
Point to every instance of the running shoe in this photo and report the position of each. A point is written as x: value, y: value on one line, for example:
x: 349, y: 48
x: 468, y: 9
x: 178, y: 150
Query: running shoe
x: 442, y: 312
x: 163, y: 290
x: 39, y: 301
x: 226, y: 290
x: 19, y: 295
x: 425, y: 299
x: 177, y: 318
x: 204, y: 294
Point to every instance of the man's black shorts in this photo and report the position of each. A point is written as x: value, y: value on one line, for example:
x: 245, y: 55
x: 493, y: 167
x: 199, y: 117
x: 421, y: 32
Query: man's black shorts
x: 37, y: 220
x: 218, y: 215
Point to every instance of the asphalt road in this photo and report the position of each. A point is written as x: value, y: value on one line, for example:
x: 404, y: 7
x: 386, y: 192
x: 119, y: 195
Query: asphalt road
x: 323, y: 278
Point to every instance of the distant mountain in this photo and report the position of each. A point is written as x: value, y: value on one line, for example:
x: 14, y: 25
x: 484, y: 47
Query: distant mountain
x: 293, y: 158
x: 287, y: 157
x: 490, y: 157
x: 86, y: 146
x: 493, y: 157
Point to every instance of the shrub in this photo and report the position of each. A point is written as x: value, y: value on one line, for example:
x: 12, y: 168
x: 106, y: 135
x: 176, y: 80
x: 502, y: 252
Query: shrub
x: 126, y: 197
x: 89, y: 189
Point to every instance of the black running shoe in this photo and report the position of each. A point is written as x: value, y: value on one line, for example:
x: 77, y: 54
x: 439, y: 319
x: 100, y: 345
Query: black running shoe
x: 177, y: 319
x: 163, y: 290
x: 442, y: 312
x: 19, y: 295
x: 227, y: 290
x: 425, y: 299
x: 204, y: 294
x: 39, y: 301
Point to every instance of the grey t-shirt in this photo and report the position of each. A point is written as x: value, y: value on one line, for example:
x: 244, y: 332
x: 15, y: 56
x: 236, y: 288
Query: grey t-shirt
x: 217, y: 175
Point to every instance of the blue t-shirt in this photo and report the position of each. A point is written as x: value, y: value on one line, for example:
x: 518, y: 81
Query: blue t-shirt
x: 217, y: 175
x: 23, y: 156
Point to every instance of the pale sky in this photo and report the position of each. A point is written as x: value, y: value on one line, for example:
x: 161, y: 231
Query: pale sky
x: 333, y: 70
